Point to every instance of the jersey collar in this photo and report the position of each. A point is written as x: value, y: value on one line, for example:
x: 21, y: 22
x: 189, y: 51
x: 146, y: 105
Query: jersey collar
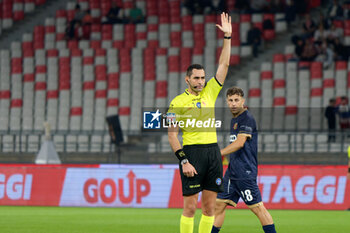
x: 188, y: 93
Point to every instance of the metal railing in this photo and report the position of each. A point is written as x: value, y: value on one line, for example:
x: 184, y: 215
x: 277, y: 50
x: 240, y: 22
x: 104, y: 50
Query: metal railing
x: 99, y: 141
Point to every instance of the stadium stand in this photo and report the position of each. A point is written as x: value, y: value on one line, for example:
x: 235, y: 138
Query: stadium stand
x: 121, y: 68
x: 75, y: 84
x: 15, y: 10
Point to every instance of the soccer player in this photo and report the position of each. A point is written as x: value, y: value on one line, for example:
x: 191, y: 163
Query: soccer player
x: 200, y: 159
x: 240, y: 178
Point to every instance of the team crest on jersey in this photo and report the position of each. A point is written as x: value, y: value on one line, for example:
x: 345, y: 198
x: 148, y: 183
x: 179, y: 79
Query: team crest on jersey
x: 218, y: 181
x: 198, y: 104
x: 235, y: 126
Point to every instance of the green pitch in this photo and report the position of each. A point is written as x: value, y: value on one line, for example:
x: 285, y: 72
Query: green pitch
x: 125, y: 220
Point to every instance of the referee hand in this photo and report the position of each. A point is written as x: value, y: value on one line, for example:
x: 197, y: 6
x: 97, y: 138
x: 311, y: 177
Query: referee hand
x: 189, y: 170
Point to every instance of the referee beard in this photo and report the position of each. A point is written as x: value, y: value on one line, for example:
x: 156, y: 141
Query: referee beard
x: 200, y: 159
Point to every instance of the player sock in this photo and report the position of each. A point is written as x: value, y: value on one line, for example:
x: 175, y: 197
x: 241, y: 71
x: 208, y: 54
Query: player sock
x: 186, y: 224
x: 269, y: 228
x: 215, y: 229
x: 206, y: 224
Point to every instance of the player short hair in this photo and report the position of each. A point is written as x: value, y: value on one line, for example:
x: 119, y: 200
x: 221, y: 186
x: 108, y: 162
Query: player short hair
x: 192, y: 67
x: 234, y: 91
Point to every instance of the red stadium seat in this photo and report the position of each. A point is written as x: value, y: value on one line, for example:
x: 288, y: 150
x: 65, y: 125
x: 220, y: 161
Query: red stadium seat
x: 329, y: 83
x: 278, y: 58
x: 101, y: 94
x: 16, y: 103
x: 28, y: 78
x: 89, y: 85
x: 279, y: 101
x: 161, y: 89
x: 316, y: 92
x: 124, y: 111
x: 269, y: 34
x: 76, y: 111
x: 341, y: 65
x: 279, y: 83
x: 5, y: 94
x: 113, y: 102
x: 40, y: 69
x: 52, y: 53
x: 52, y: 94
x: 245, y: 17
x: 266, y: 75
x: 291, y: 110
x: 113, y: 81
x: 39, y: 86
x: 254, y: 92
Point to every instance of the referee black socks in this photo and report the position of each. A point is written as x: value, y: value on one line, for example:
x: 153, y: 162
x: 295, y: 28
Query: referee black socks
x: 269, y: 228
x: 215, y: 229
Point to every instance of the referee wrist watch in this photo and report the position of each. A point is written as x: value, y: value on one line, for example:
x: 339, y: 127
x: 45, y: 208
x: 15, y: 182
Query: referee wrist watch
x: 184, y: 161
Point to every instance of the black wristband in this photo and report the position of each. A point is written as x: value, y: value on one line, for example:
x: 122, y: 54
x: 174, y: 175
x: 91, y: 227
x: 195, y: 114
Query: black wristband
x: 180, y: 154
x: 227, y: 37
x: 349, y: 169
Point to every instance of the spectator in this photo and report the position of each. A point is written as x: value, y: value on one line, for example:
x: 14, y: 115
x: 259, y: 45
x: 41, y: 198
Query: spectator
x: 326, y: 55
x: 69, y: 33
x: 87, y: 19
x: 216, y: 6
x: 344, y: 115
x: 320, y: 34
x: 254, y: 38
x: 330, y: 114
x: 301, y: 6
x: 136, y: 15
x: 341, y: 52
x: 115, y: 14
x: 242, y: 6
x: 309, y: 52
x: 276, y: 6
x: 194, y: 6
x: 86, y: 25
x: 79, y: 14
x: 258, y: 6
x: 299, y: 47
x: 333, y: 34
x: 78, y: 30
x: 309, y: 27
x: 290, y: 11
x: 335, y: 11
x: 326, y: 22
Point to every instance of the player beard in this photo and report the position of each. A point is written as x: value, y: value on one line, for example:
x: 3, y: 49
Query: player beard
x: 197, y: 88
x: 236, y: 111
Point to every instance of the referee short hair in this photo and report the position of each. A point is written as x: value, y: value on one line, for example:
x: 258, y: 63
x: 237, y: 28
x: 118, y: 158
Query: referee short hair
x: 234, y: 91
x: 193, y: 66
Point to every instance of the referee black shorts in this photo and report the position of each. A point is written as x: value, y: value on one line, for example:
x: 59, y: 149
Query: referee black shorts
x: 207, y: 161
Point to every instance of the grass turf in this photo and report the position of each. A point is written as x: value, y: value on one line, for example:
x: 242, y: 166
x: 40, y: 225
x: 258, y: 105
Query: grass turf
x: 125, y: 220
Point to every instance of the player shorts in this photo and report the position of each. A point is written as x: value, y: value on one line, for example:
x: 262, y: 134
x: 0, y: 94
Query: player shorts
x: 248, y: 190
x: 207, y: 161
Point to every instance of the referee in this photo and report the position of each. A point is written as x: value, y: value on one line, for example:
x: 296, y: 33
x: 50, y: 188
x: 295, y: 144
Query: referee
x: 200, y: 159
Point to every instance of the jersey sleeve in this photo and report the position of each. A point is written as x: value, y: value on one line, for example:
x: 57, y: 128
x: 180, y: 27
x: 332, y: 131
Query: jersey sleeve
x: 174, y: 111
x: 246, y: 128
x: 213, y: 88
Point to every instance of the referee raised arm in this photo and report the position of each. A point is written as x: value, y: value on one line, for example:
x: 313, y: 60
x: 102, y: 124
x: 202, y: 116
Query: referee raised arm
x: 199, y: 158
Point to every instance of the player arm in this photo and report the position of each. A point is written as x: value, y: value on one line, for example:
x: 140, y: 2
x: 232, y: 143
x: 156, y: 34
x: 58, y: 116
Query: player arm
x: 173, y: 131
x: 224, y: 60
x: 187, y: 168
x: 236, y: 145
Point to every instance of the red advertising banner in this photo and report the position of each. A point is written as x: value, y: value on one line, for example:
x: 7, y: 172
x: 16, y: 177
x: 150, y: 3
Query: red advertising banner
x: 158, y: 186
x: 293, y: 187
x: 37, y: 186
